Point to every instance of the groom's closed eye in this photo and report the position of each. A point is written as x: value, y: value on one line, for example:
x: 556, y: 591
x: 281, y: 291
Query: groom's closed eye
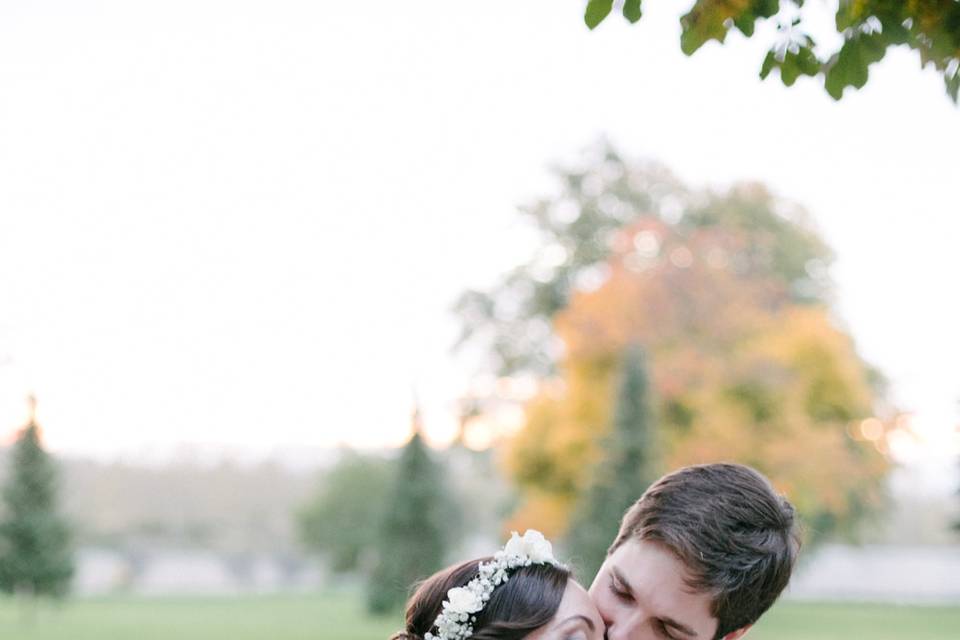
x: 620, y: 587
x: 665, y: 627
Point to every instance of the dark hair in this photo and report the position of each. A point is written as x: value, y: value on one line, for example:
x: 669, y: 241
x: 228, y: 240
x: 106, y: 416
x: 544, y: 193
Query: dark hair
x: 737, y: 537
x: 526, y: 602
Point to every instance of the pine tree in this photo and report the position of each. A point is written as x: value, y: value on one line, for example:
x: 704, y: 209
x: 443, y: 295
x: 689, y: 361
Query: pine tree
x: 627, y: 467
x: 35, y: 554
x: 415, y: 531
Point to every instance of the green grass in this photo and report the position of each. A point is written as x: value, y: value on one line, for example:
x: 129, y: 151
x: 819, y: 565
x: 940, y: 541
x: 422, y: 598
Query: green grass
x: 795, y: 621
x: 340, y: 617
x: 288, y: 617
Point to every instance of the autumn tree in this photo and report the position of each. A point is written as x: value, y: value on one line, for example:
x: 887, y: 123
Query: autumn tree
x: 35, y: 553
x: 728, y: 294
x: 415, y: 530
x: 867, y: 27
x: 627, y: 465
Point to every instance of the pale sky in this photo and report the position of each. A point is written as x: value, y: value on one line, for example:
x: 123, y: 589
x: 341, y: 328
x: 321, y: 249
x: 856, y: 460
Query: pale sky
x: 242, y: 224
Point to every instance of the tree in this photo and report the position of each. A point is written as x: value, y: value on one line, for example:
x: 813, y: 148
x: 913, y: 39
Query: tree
x: 414, y: 535
x: 35, y: 554
x: 513, y: 321
x: 868, y: 28
x: 628, y: 465
x: 729, y: 294
x: 340, y: 520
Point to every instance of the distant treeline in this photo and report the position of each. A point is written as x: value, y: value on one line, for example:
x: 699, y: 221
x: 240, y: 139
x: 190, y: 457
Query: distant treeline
x: 226, y: 506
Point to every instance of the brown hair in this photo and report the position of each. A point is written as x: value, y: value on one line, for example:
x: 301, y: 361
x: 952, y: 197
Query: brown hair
x: 526, y: 602
x: 737, y: 537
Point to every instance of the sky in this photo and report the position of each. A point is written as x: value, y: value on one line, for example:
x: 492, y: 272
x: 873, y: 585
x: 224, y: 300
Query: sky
x: 242, y: 224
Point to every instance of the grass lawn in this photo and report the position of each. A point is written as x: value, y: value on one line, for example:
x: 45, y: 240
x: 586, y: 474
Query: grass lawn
x: 287, y: 617
x: 340, y: 617
x: 795, y: 621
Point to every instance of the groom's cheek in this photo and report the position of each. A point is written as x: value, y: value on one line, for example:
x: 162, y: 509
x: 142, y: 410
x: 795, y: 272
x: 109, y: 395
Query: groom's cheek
x: 595, y: 590
x: 600, y: 598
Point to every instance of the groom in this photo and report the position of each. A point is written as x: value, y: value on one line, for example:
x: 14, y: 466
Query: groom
x: 700, y: 556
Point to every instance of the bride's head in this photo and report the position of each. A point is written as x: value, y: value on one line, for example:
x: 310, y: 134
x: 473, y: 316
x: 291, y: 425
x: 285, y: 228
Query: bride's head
x: 537, y: 602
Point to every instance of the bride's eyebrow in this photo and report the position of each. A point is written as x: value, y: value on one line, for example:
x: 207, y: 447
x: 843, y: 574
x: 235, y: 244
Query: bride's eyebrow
x: 585, y: 619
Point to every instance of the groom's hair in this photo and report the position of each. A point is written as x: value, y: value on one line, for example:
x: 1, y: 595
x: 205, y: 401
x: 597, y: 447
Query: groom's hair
x: 737, y: 537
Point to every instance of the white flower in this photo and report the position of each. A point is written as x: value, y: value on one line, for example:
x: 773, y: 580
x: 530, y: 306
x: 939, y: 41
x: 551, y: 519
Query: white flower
x: 532, y: 545
x: 462, y: 600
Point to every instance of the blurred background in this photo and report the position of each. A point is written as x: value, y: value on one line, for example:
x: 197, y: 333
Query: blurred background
x: 274, y: 276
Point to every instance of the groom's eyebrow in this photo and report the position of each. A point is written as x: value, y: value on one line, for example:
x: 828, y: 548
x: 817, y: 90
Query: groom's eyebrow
x: 670, y: 622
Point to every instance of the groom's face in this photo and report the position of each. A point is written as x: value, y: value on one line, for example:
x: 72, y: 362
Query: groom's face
x: 641, y: 595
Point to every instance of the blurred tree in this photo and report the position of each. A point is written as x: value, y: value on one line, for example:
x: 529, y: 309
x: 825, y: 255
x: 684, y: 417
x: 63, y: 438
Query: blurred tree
x: 341, y: 519
x: 415, y: 533
x: 35, y: 554
x: 868, y: 28
x: 728, y: 295
x: 512, y: 321
x: 628, y: 464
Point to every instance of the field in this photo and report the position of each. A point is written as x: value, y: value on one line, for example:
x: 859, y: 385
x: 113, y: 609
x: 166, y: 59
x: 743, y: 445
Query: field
x: 339, y: 616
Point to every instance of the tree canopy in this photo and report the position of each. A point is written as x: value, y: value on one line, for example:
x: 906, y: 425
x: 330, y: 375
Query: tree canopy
x: 868, y: 29
x: 729, y: 296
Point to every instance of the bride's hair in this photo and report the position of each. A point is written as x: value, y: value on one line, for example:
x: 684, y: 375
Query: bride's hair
x: 523, y: 604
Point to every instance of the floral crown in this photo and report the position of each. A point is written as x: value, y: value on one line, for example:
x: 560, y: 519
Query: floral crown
x: 456, y: 620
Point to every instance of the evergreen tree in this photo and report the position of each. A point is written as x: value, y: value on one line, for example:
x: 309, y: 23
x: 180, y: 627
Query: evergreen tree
x: 35, y: 554
x: 340, y: 520
x: 415, y: 531
x: 628, y: 465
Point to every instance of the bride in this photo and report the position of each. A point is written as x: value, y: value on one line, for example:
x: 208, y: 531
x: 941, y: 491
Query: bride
x: 521, y: 592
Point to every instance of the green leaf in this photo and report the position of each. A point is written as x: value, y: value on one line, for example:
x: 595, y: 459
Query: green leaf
x: 835, y: 81
x: 846, y: 15
x: 706, y: 20
x: 872, y: 47
x: 766, y: 8
x: 789, y: 70
x: 849, y: 68
x: 690, y: 41
x: 769, y: 63
x: 953, y: 86
x: 856, y: 63
x: 807, y: 61
x: 596, y: 11
x: 745, y: 22
x: 894, y: 32
x: 631, y: 10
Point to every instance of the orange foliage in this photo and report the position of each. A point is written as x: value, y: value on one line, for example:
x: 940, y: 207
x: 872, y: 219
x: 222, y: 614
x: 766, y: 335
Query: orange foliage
x: 740, y: 372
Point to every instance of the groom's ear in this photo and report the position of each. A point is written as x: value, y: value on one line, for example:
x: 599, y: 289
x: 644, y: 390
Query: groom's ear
x: 739, y: 633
